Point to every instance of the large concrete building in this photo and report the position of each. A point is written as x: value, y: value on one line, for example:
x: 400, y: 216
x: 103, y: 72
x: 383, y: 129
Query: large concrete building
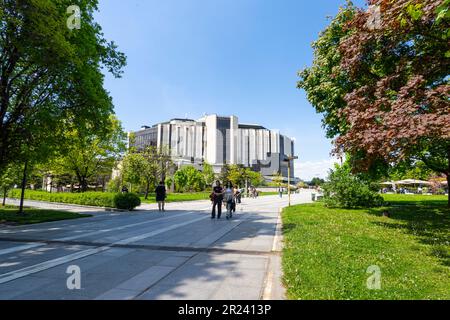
x: 218, y: 141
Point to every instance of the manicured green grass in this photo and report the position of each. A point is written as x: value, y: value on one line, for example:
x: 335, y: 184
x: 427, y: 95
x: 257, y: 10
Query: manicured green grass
x: 410, y: 199
x: 99, y: 199
x: 327, y: 251
x: 177, y: 197
x: 9, y: 214
x: 271, y: 193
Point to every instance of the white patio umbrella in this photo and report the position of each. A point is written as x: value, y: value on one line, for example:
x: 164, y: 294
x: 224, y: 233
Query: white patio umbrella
x: 412, y: 181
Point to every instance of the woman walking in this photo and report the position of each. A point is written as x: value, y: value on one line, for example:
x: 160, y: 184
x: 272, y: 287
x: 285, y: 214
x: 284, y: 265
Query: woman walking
x: 229, y: 200
x: 161, y: 195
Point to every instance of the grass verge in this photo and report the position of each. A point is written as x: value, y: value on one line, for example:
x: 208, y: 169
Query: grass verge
x: 8, y: 214
x: 177, y: 197
x: 328, y: 251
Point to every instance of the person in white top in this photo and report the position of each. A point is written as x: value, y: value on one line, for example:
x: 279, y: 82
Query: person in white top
x: 228, y: 198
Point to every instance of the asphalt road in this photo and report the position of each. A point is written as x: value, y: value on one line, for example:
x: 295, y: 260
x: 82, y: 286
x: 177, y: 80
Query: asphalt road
x: 179, y: 254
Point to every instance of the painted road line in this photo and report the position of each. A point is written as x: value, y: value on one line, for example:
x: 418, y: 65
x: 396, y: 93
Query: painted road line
x: 20, y: 248
x: 154, y: 233
x: 6, y: 277
x: 48, y: 264
x: 79, y: 236
x: 120, y: 228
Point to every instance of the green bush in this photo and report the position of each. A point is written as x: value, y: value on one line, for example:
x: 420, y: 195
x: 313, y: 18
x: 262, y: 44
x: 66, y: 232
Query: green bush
x: 98, y: 199
x: 127, y: 201
x: 345, y: 190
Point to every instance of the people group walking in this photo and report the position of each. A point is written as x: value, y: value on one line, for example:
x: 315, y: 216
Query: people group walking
x: 227, y: 196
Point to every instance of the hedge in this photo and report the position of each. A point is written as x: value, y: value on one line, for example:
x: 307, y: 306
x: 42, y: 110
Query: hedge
x: 127, y: 201
x: 98, y: 199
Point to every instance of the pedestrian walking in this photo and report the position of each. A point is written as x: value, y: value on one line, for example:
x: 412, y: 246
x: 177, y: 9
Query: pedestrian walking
x: 237, y: 196
x: 161, y: 195
x: 280, y: 192
x: 217, y: 198
x: 228, y: 197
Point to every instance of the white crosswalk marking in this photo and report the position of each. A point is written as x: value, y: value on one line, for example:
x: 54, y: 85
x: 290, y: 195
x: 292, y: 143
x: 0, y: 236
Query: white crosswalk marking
x: 6, y: 277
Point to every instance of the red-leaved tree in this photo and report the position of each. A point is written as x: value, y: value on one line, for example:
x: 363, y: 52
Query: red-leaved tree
x: 398, y: 54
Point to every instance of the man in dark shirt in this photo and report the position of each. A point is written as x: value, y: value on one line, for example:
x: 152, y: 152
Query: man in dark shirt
x: 161, y: 195
x: 217, y: 200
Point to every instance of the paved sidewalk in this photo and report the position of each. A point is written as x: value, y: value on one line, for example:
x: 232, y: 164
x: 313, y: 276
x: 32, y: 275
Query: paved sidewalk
x: 181, y: 254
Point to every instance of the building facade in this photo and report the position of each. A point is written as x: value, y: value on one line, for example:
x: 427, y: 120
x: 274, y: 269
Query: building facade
x: 218, y: 141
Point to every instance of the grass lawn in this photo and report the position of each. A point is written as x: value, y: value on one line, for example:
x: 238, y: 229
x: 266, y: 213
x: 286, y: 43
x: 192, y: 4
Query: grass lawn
x: 9, y: 214
x: 177, y: 197
x: 410, y: 199
x: 327, y: 251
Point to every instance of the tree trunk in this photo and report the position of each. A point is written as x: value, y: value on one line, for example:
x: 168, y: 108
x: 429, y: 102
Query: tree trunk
x: 448, y: 177
x: 147, y: 189
x: 24, y: 183
x: 83, y: 185
x: 5, y: 190
x: 448, y: 190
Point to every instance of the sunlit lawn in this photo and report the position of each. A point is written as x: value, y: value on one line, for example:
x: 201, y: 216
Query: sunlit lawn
x: 327, y: 251
x: 8, y: 214
x: 178, y: 197
x: 404, y: 199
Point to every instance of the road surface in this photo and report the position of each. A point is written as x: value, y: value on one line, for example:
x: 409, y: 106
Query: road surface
x: 179, y: 254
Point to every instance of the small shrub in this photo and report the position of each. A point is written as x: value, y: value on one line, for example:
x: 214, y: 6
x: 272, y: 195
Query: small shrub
x: 127, y: 201
x: 345, y: 190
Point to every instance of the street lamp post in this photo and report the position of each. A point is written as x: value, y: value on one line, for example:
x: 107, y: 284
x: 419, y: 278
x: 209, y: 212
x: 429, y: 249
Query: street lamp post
x: 289, y: 159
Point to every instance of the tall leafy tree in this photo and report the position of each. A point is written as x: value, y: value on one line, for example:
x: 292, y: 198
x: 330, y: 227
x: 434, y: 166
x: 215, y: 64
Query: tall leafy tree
x: 147, y: 167
x: 133, y: 169
x: 87, y: 153
x: 237, y: 175
x: 49, y: 72
x: 208, y: 174
x: 189, y: 178
x: 389, y: 72
x: 8, y: 178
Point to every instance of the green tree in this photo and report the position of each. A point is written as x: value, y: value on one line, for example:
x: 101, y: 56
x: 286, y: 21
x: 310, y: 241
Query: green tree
x: 87, y: 153
x: 255, y: 178
x: 49, y: 72
x: 208, y: 174
x: 237, y: 175
x: 224, y: 174
x: 134, y: 168
x: 146, y: 167
x: 347, y: 190
x: 315, y: 182
x: 382, y: 101
x: 325, y: 83
x: 411, y: 170
x: 277, y: 179
x: 158, y: 164
x: 9, y: 177
x: 189, y: 178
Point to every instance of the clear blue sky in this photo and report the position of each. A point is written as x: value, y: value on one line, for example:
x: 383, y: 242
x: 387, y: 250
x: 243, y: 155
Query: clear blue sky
x: 241, y: 57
